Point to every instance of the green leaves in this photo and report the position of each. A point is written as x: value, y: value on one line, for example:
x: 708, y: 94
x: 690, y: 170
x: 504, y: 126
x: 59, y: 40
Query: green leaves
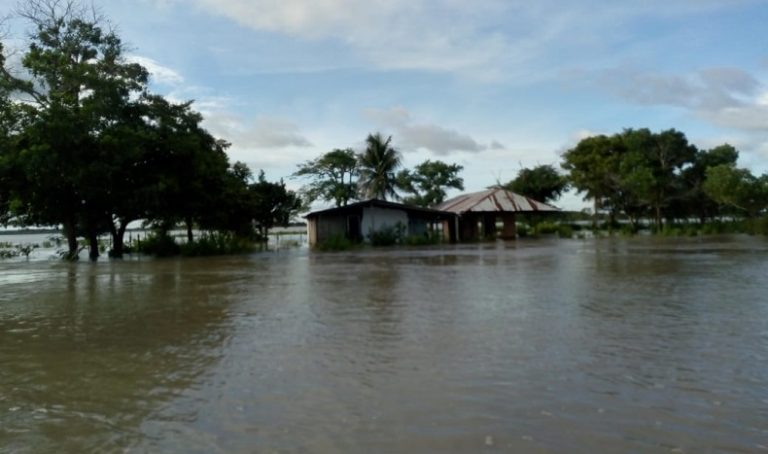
x: 728, y: 185
x: 428, y: 181
x: 377, y: 166
x: 332, y: 177
x: 542, y: 183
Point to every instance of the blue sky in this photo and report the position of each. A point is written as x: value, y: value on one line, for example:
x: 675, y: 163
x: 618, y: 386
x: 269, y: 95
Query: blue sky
x: 490, y: 84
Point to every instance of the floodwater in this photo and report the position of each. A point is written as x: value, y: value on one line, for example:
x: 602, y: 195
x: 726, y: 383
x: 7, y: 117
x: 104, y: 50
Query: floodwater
x: 580, y: 346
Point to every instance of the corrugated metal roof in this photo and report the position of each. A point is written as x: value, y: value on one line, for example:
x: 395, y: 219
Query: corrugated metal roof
x: 382, y: 204
x: 493, y: 200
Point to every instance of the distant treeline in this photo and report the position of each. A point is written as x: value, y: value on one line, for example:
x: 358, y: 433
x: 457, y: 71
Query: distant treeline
x: 661, y: 176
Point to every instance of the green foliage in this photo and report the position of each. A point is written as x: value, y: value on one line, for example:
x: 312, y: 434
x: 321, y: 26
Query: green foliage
x: 217, y: 243
x: 333, y: 177
x: 336, y: 243
x: 757, y: 226
x: 158, y: 244
x: 388, y: 235
x: 737, y: 188
x: 542, y: 183
x: 272, y: 204
x: 564, y: 231
x: 546, y: 228
x: 90, y: 149
x: 523, y: 230
x: 377, y: 167
x: 644, y: 174
x: 428, y: 181
x: 422, y: 240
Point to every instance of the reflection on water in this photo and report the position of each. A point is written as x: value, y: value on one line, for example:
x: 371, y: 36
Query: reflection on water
x: 614, y: 345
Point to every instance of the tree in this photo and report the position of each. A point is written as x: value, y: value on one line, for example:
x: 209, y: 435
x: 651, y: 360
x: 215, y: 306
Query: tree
x: 542, y: 183
x: 272, y: 204
x: 659, y: 158
x: 378, y: 165
x: 428, y: 182
x: 332, y: 177
x: 593, y: 169
x: 189, y: 166
x: 695, y: 201
x: 738, y: 188
x: 75, y: 76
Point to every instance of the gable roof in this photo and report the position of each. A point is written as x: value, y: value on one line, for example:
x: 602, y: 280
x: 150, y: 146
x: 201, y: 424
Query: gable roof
x: 494, y: 200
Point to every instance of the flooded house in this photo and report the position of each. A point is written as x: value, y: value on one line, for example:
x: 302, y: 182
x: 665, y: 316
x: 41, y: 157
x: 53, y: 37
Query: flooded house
x: 480, y: 213
x: 357, y: 221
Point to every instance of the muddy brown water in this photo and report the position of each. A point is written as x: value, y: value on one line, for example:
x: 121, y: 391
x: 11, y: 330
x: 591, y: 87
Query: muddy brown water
x: 605, y: 345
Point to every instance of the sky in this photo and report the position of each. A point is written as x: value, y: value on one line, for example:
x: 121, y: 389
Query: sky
x: 493, y: 85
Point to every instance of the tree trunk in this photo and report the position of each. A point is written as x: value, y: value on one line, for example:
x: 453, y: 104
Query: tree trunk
x: 659, y: 222
x: 594, y: 215
x: 190, y: 235
x: 93, y: 246
x: 117, y: 239
x: 70, y: 233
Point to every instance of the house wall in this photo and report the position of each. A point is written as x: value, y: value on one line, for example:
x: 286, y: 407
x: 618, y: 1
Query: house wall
x: 312, y: 231
x: 328, y: 226
x: 375, y: 219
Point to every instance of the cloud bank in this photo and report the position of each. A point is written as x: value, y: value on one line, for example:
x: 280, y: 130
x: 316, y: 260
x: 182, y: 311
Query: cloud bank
x: 436, y: 139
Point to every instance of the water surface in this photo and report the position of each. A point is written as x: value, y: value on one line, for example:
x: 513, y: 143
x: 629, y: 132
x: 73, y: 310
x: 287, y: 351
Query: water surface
x: 605, y: 345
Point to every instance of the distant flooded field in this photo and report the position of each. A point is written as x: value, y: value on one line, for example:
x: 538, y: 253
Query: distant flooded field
x: 601, y: 345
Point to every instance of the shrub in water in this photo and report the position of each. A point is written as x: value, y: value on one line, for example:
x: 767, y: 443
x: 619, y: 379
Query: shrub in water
x: 565, y: 231
x: 159, y: 244
x: 217, y: 243
x: 336, y: 243
x: 387, y: 236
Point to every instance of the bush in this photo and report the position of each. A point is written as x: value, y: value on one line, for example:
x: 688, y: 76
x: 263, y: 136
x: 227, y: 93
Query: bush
x: 387, y: 236
x: 546, y: 228
x: 421, y: 240
x: 565, y: 231
x: 523, y: 230
x: 758, y: 226
x: 336, y: 243
x: 159, y: 244
x: 217, y: 243
x: 628, y: 230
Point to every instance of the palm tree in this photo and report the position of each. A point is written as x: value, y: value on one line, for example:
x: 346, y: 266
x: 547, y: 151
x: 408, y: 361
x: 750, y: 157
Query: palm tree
x: 377, y: 167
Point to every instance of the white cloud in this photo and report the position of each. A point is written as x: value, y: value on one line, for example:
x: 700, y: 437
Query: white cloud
x: 159, y: 73
x: 415, y: 136
x: 263, y: 132
x: 482, y: 38
x: 724, y: 97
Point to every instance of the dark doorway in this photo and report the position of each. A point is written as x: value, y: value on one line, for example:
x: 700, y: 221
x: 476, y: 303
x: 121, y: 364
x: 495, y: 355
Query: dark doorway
x: 353, y: 228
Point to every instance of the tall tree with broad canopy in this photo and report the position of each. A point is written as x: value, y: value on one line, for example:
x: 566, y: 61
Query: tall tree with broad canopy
x: 695, y: 201
x: 74, y: 83
x: 332, y: 177
x: 660, y: 159
x: 428, y: 181
x: 593, y: 169
x: 378, y: 165
x: 542, y: 183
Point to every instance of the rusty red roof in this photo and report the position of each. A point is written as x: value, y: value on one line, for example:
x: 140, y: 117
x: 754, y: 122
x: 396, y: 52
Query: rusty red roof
x: 493, y: 200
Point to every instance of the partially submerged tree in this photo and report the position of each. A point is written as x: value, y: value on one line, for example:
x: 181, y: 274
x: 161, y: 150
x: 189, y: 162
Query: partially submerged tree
x: 426, y: 184
x: 75, y: 84
x: 737, y: 188
x: 272, y: 204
